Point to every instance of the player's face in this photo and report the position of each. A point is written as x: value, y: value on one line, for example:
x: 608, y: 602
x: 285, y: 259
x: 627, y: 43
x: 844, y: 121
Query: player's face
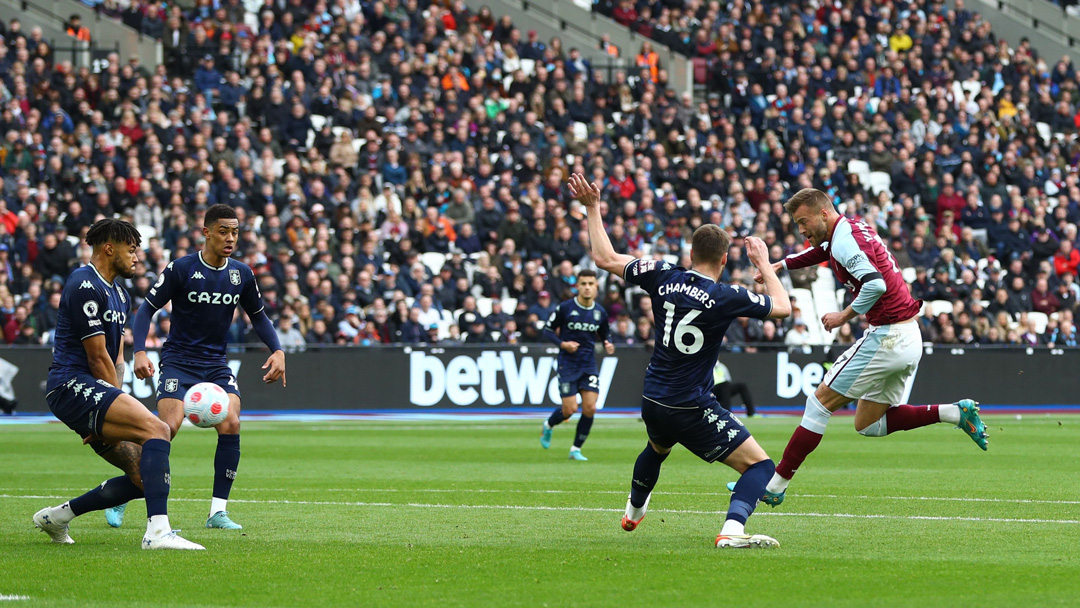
x: 587, y: 288
x: 221, y: 236
x: 811, y: 224
x: 124, y: 258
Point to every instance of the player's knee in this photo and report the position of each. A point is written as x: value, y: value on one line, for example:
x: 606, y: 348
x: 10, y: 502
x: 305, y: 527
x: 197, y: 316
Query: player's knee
x: 231, y: 426
x: 156, y: 428
x: 874, y: 429
x: 815, y: 416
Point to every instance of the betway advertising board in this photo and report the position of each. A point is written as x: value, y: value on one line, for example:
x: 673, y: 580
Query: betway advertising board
x: 486, y: 378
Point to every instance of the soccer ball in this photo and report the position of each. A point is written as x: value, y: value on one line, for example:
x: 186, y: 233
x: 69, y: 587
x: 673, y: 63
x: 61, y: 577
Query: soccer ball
x: 206, y: 404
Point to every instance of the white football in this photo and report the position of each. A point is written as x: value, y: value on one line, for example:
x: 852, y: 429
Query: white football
x: 206, y: 404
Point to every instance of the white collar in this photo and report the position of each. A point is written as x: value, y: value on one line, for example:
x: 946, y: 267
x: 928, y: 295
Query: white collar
x: 579, y: 305
x: 222, y: 267
x: 107, y: 283
x: 702, y: 275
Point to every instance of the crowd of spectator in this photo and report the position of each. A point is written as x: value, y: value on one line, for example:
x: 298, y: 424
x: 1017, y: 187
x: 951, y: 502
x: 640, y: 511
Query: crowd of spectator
x: 354, y: 138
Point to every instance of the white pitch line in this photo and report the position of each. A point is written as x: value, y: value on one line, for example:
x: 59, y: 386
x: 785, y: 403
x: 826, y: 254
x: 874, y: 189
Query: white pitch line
x: 419, y: 505
x: 1025, y: 501
x: 13, y: 598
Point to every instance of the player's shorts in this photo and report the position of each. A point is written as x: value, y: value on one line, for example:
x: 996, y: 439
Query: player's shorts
x: 578, y: 381
x: 703, y: 427
x: 81, y: 404
x: 176, y: 378
x: 880, y: 365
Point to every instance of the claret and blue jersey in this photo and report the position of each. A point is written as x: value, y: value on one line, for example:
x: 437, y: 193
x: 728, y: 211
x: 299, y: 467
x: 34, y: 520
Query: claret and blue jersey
x: 692, y: 313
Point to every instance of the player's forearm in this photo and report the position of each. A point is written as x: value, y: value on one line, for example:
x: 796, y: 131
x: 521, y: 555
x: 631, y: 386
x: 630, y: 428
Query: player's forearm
x: 120, y: 367
x: 140, y: 327
x: 103, y: 368
x: 600, y: 245
x: 265, y: 330
x: 552, y: 337
x: 870, y: 293
x: 781, y: 303
x: 808, y: 257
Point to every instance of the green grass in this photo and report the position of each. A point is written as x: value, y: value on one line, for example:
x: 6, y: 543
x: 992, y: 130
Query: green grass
x: 369, y: 514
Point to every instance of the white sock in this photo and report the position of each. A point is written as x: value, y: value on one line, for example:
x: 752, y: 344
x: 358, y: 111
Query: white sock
x: 62, y: 514
x: 158, y: 525
x: 949, y: 412
x: 217, y: 505
x: 636, y: 513
x: 732, y: 528
x: 575, y: 448
x: 777, y: 484
x: 546, y: 425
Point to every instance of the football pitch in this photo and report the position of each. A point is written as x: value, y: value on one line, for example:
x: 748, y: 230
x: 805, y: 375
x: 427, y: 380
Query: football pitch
x: 475, y: 513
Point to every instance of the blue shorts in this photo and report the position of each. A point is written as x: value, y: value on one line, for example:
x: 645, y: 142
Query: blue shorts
x: 81, y: 403
x: 705, y: 428
x: 175, y: 379
x: 578, y: 381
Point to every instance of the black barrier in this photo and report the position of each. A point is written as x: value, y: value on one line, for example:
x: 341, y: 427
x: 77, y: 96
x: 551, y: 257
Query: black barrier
x: 403, y: 378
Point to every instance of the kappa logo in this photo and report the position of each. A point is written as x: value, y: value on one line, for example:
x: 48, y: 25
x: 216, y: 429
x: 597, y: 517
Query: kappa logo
x: 198, y: 275
x: 234, y: 276
x: 98, y: 397
x: 573, y: 313
x: 171, y: 385
x: 86, y: 285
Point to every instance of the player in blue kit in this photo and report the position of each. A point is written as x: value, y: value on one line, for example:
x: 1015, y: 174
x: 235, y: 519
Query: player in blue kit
x: 693, y: 311
x: 204, y: 289
x: 574, y: 326
x: 82, y: 391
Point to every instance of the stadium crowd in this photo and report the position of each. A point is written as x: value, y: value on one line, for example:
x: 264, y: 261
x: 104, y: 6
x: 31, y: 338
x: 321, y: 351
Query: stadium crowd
x: 399, y: 166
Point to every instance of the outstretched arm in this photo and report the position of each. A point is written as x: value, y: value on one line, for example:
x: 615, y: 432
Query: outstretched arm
x: 599, y: 244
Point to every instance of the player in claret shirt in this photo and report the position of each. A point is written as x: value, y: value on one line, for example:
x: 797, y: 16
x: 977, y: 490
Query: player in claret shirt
x: 205, y: 288
x: 877, y: 368
x: 574, y: 326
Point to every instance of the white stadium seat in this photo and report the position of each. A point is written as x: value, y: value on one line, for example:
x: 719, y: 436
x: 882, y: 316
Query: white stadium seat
x: 509, y: 305
x: 879, y: 181
x: 909, y: 274
x: 1040, y: 319
x: 939, y: 306
x: 483, y: 306
x: 433, y: 260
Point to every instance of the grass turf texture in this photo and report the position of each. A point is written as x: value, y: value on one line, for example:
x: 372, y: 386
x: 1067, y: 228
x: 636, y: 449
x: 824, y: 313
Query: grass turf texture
x: 367, y: 514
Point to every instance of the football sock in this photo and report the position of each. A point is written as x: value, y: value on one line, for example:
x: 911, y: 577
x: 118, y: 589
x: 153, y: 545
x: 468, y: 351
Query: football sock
x: 748, y: 490
x: 62, y: 514
x: 646, y: 473
x: 907, y: 417
x: 111, y: 493
x: 804, y: 440
x: 556, y: 418
x: 226, y: 461
x: 949, y: 412
x: 584, y: 425
x: 733, y: 528
x: 154, y: 466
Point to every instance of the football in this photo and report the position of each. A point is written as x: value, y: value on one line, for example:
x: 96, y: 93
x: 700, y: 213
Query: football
x: 206, y: 404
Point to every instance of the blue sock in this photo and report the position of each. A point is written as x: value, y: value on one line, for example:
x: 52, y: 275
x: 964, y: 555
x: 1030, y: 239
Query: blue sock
x: 111, y: 493
x: 226, y: 461
x: 749, y: 489
x: 646, y: 473
x: 154, y: 467
x: 556, y: 417
x: 584, y: 425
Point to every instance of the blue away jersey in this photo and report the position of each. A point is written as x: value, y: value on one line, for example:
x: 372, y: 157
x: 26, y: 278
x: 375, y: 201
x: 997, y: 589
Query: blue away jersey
x: 692, y: 314
x: 578, y: 324
x: 89, y: 306
x: 204, y: 299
